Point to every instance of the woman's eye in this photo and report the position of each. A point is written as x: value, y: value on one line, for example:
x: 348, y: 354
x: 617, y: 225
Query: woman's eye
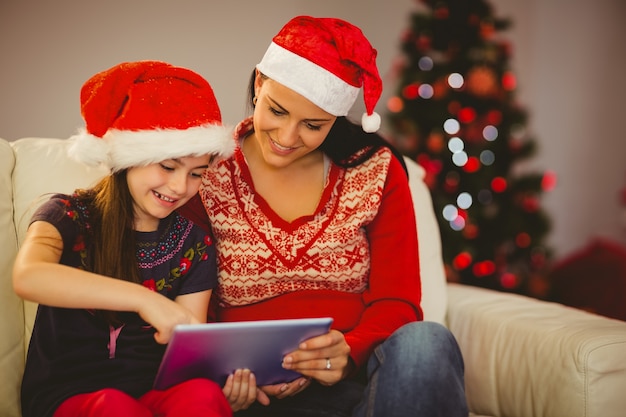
x: 276, y: 111
x: 167, y: 168
x: 313, y: 127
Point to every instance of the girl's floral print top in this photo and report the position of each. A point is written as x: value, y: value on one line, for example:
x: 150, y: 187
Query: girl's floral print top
x: 74, y: 350
x: 168, y: 246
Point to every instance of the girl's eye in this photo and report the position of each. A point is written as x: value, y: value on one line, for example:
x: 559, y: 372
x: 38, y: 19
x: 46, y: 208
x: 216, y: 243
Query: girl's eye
x: 166, y: 167
x: 197, y: 174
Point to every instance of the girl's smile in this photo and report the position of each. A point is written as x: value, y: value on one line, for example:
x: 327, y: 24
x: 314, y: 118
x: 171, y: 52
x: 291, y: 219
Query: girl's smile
x: 159, y: 189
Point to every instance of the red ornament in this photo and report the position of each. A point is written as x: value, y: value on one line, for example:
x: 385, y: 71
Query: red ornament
x: 432, y: 167
x: 548, y: 182
x: 487, y: 30
x: 454, y: 107
x: 467, y: 115
x: 494, y: 117
x: 484, y: 268
x: 451, y: 183
x: 522, y: 240
x: 462, y: 260
x: 538, y: 259
x: 482, y: 82
x: 395, y: 104
x: 411, y: 91
x: 509, y: 280
x: 509, y: 82
x: 462, y: 214
x: 440, y: 88
x: 441, y: 13
x: 470, y: 232
x: 498, y: 184
x: 435, y: 143
x: 423, y: 43
x: 530, y: 203
x: 472, y: 164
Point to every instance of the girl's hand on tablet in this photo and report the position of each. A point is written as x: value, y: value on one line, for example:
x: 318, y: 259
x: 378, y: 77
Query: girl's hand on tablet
x: 241, y: 391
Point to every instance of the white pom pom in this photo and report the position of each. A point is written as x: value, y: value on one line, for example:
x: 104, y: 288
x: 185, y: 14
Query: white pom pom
x: 370, y: 123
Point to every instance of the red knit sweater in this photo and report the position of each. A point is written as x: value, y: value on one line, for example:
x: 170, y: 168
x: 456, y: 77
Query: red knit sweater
x: 355, y: 259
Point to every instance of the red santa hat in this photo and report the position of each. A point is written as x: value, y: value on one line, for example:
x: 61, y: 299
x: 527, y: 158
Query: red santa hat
x: 139, y: 113
x: 327, y: 61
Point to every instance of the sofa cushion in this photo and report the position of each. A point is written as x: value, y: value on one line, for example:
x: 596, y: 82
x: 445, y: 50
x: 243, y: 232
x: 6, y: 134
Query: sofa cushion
x: 525, y: 357
x: 11, y: 306
x: 434, y: 294
x: 42, y: 168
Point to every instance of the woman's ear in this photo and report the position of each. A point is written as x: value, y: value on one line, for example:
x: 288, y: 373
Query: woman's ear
x: 258, y: 81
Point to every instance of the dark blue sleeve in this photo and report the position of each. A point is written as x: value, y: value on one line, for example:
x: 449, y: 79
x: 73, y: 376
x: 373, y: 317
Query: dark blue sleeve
x: 65, y: 217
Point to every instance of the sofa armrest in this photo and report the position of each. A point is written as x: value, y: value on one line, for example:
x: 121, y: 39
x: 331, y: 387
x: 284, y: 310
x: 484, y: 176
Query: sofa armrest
x: 525, y: 357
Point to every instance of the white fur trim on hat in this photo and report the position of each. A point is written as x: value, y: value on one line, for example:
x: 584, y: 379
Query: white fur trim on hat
x: 317, y: 84
x: 88, y: 149
x: 121, y: 149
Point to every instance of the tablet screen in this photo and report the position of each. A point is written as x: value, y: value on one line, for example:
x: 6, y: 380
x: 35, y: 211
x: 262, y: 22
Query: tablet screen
x: 215, y: 350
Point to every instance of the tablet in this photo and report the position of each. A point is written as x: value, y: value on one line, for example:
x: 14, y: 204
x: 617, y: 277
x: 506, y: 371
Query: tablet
x: 215, y: 350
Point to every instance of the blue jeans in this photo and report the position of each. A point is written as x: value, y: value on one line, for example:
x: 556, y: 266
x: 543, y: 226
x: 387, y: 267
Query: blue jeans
x: 417, y: 371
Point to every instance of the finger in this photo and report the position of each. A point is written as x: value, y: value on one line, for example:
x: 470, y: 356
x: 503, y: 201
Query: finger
x: 272, y: 390
x: 227, y: 389
x: 315, y: 349
x: 319, y: 363
x: 301, y: 385
x: 291, y: 388
x: 307, y: 359
x: 236, y: 386
x: 161, y: 337
x: 262, y: 397
x: 244, y: 382
x: 251, y: 394
x: 320, y: 342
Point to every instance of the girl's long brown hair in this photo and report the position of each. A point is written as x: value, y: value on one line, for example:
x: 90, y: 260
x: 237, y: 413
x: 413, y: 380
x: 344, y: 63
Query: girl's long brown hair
x: 113, y: 245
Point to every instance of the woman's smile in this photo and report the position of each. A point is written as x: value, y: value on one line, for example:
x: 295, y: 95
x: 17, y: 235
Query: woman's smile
x: 280, y: 149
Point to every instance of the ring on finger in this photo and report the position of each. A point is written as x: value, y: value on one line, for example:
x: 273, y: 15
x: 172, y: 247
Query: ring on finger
x: 327, y: 363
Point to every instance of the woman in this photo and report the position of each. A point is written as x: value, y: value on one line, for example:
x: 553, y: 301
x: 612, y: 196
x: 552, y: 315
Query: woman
x: 114, y: 268
x: 313, y: 217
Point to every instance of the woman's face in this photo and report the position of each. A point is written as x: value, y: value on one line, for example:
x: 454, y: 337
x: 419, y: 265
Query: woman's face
x: 287, y: 126
x: 159, y: 189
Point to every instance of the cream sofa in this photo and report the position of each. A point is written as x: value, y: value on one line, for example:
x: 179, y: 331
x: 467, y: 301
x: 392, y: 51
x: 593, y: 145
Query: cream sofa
x: 523, y: 357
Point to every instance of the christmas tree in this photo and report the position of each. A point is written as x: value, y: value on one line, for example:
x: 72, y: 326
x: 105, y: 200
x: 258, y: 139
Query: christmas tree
x: 455, y: 113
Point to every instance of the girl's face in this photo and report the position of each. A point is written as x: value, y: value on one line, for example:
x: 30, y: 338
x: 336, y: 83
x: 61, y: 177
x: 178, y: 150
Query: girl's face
x: 159, y: 189
x: 287, y: 126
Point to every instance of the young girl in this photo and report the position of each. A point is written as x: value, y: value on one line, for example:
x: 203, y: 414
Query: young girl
x: 313, y: 217
x: 115, y: 268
